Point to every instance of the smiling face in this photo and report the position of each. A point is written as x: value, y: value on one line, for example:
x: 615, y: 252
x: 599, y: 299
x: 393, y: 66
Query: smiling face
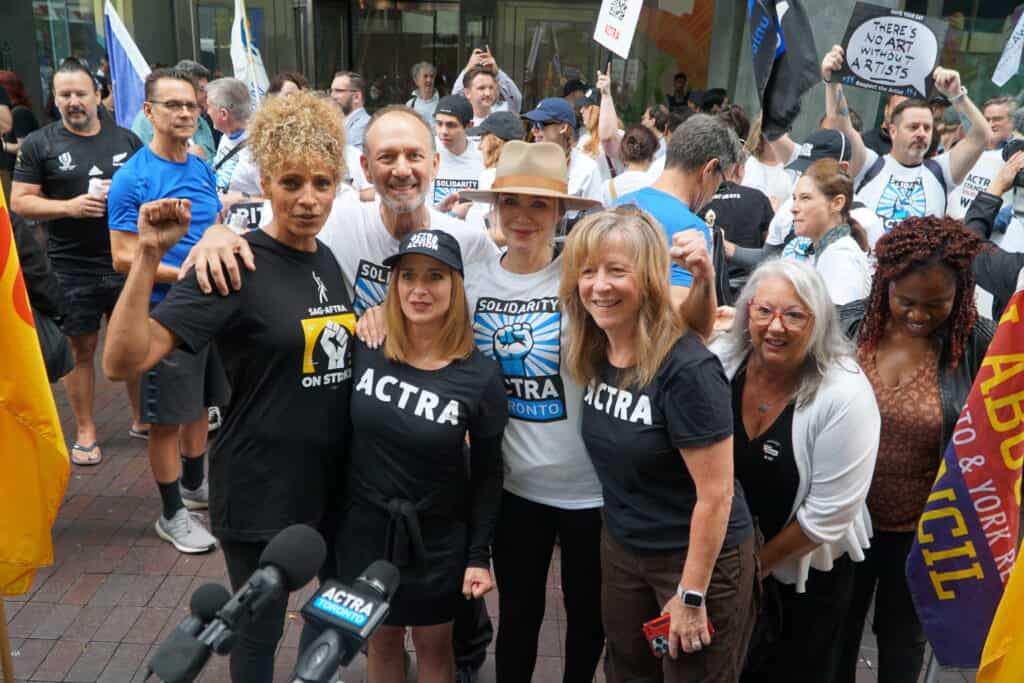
x: 780, y: 325
x: 920, y: 301
x: 911, y: 135
x: 424, y: 289
x: 301, y: 198
x: 609, y: 287
x: 527, y: 221
x: 75, y: 95
x: 399, y: 159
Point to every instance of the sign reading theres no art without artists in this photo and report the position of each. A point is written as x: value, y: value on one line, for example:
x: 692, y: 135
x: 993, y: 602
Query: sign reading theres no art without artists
x: 891, y: 51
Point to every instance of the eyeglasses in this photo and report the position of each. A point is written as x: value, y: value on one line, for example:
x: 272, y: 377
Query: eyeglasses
x: 335, y: 91
x: 540, y: 125
x: 174, y: 105
x: 793, y: 319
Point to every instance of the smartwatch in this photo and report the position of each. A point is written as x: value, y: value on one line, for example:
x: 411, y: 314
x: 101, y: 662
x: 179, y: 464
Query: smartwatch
x: 690, y: 598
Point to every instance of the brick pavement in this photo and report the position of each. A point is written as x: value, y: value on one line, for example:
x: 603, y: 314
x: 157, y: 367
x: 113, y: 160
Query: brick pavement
x: 115, y: 590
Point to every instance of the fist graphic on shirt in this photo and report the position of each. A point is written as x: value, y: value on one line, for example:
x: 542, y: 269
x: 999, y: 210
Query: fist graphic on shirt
x: 512, y: 344
x: 334, y: 342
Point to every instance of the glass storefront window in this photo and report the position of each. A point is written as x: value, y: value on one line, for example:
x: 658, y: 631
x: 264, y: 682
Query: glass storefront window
x: 66, y: 28
x: 215, y: 18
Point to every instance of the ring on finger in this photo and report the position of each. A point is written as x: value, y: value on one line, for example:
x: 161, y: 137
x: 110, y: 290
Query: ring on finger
x: 695, y: 645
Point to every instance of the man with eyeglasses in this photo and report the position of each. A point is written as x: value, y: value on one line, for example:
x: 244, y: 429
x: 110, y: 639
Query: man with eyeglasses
x: 347, y: 90
x: 204, y: 141
x: 62, y: 175
x: 998, y: 113
x: 177, y: 391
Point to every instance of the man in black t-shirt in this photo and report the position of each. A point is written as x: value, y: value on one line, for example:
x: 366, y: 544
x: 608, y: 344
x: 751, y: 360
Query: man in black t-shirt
x: 6, y: 119
x: 61, y: 175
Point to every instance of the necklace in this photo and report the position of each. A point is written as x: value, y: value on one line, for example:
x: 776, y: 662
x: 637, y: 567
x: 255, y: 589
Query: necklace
x: 763, y: 405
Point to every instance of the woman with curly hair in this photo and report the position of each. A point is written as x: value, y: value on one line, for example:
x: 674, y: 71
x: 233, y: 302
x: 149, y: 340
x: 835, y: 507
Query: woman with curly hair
x: 284, y: 340
x: 920, y: 343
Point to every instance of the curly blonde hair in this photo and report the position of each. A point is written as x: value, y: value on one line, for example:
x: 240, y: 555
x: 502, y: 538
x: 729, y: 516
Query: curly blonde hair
x: 304, y: 129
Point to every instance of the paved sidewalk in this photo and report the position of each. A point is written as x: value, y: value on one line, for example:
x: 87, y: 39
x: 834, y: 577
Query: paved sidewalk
x: 116, y: 590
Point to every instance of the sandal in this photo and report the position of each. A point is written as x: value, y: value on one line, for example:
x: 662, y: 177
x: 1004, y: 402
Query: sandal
x: 138, y: 433
x: 90, y: 455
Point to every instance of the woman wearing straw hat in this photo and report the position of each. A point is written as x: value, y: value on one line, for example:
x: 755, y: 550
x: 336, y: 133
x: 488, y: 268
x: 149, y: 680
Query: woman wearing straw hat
x: 550, y: 487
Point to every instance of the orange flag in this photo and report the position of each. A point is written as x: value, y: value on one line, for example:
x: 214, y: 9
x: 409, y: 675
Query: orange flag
x: 33, y: 457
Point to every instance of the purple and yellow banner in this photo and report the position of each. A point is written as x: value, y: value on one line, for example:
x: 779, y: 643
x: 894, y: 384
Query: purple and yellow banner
x: 967, y: 537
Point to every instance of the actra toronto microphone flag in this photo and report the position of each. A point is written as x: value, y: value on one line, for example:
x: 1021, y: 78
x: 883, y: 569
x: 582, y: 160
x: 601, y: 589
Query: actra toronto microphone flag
x: 966, y: 541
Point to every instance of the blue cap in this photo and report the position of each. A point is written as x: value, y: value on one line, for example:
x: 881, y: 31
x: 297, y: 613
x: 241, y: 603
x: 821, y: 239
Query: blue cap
x: 552, y: 109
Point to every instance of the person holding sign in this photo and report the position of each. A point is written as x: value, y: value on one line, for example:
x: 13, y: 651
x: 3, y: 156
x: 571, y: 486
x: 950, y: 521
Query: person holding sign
x: 903, y: 183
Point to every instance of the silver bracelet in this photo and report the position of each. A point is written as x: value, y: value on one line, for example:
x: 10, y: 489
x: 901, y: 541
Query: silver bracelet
x: 959, y: 96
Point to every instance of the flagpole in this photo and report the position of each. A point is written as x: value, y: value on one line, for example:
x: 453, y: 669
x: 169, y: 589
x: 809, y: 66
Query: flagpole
x: 248, y: 52
x: 6, y: 663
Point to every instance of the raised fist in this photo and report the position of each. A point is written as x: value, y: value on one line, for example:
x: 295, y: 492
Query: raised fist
x: 512, y: 344
x: 164, y: 222
x: 334, y: 342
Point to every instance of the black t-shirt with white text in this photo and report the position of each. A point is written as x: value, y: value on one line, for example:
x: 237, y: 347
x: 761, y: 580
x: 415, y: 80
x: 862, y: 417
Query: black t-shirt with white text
x: 744, y: 213
x: 62, y: 163
x: 634, y: 436
x: 285, y: 339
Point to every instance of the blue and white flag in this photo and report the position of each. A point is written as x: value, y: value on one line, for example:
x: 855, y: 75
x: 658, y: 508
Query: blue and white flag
x: 128, y: 68
x: 1009, y: 61
x: 245, y: 57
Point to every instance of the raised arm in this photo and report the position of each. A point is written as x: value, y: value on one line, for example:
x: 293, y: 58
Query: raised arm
x: 837, y: 111
x: 608, y: 119
x: 135, y: 342
x: 697, y: 303
x: 966, y: 153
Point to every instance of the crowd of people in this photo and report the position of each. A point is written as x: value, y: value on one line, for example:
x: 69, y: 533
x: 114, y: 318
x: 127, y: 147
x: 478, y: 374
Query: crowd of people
x: 716, y: 370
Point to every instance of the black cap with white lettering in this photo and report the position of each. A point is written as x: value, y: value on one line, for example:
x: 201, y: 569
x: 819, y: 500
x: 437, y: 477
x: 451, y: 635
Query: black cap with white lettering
x: 436, y: 244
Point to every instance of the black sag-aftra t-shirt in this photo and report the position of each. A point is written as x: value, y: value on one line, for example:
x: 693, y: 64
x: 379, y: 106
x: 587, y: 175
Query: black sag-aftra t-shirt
x: 62, y: 163
x: 634, y: 435
x: 285, y: 339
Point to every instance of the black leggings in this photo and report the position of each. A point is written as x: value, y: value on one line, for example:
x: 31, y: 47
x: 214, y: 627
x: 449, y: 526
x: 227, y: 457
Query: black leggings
x: 252, y: 657
x: 523, y: 544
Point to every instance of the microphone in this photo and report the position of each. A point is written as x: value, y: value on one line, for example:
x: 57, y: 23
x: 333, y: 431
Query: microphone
x: 350, y: 615
x: 289, y: 562
x: 176, y: 655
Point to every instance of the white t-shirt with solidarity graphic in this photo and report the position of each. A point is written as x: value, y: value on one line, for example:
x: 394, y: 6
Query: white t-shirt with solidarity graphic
x: 517, y: 320
x: 456, y: 171
x: 356, y: 234
x: 977, y: 180
x: 897, y: 192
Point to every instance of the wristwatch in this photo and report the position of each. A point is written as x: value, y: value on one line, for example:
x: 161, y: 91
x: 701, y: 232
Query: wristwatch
x: 690, y: 598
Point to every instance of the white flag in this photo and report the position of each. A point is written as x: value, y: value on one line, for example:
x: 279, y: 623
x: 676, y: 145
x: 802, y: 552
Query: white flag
x: 1009, y: 63
x: 245, y: 58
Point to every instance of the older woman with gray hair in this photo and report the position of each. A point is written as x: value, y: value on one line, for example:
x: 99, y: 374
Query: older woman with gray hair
x: 424, y: 97
x: 806, y: 428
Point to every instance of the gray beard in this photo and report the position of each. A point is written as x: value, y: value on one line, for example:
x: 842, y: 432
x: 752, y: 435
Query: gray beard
x: 403, y: 207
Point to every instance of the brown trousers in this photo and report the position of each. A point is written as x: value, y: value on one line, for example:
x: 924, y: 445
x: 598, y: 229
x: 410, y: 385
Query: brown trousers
x: 636, y: 587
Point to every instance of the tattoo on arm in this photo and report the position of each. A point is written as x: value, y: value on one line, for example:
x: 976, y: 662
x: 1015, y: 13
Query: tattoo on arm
x: 842, y: 109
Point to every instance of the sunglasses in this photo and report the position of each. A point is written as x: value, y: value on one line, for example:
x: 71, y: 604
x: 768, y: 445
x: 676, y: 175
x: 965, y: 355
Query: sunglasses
x: 540, y: 125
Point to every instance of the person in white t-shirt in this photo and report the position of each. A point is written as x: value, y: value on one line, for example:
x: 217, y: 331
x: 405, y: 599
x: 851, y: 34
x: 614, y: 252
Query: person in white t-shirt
x: 998, y: 112
x: 497, y: 129
x: 765, y: 168
x: 460, y: 161
x: 229, y: 107
x: 603, y: 130
x: 636, y: 151
x: 553, y: 120
x: 903, y: 183
x: 424, y: 97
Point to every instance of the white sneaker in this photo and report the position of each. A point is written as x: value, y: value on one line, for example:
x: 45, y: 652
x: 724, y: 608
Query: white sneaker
x: 196, y: 499
x: 213, y: 419
x: 185, y: 531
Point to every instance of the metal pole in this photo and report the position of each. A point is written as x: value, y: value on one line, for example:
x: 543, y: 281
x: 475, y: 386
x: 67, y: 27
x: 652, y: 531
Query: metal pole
x: 932, y: 672
x: 6, y: 663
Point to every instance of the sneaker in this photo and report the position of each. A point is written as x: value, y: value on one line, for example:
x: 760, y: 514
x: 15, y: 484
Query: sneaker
x: 213, y: 419
x: 185, y: 531
x: 196, y: 499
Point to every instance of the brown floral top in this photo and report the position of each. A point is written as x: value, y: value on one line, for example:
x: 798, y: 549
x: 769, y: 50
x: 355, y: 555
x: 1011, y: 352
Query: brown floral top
x: 909, y: 451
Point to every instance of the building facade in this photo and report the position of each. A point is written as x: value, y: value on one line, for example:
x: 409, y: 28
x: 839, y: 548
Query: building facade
x: 540, y: 43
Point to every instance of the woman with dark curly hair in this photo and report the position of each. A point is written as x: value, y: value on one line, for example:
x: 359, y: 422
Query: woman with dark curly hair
x: 920, y: 343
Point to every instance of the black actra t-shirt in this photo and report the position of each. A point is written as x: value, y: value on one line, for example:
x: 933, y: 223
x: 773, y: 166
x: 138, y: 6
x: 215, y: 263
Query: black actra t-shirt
x: 285, y: 339
x: 62, y: 164
x: 410, y: 426
x: 744, y: 213
x: 634, y: 436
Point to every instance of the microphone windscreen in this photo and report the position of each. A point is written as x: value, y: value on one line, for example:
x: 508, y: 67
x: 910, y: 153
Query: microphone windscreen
x: 207, y: 600
x: 298, y: 551
x: 383, y: 576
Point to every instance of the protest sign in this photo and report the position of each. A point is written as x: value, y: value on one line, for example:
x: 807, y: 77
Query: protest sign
x: 616, y: 24
x: 891, y: 51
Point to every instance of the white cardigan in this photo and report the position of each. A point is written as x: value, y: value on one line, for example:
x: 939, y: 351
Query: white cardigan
x: 835, y: 444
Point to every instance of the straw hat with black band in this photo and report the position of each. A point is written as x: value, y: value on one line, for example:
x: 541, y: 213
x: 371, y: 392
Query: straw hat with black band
x: 538, y: 169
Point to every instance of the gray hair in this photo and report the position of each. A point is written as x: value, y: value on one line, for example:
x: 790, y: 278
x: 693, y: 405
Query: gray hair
x: 231, y: 94
x: 700, y: 139
x: 193, y: 69
x: 1018, y: 121
x: 420, y: 67
x: 828, y: 346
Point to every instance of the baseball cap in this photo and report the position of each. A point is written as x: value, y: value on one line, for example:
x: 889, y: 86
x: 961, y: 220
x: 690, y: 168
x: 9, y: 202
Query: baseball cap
x: 436, y: 244
x: 552, y: 109
x: 823, y: 143
x: 951, y: 117
x: 504, y: 124
x: 590, y: 98
x: 457, y: 106
x: 572, y: 86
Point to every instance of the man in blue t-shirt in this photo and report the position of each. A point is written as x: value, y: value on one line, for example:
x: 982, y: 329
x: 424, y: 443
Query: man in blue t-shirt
x: 700, y: 153
x: 177, y: 390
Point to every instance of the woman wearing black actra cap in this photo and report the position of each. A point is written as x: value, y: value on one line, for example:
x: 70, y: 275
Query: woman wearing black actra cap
x: 284, y: 338
x: 410, y: 498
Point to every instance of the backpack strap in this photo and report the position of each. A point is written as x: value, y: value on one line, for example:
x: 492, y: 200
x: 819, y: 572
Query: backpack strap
x: 611, y: 189
x: 872, y: 172
x: 936, y: 170
x: 234, y: 150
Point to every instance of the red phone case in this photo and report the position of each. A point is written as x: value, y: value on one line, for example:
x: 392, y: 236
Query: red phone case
x: 656, y: 632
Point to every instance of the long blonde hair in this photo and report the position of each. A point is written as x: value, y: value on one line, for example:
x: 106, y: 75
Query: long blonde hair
x: 456, y: 333
x: 658, y: 325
